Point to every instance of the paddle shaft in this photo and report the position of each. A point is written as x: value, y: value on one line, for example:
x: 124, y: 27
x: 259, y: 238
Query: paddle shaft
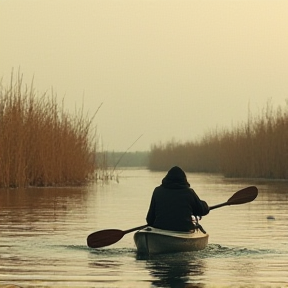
x: 218, y: 205
x: 134, y: 229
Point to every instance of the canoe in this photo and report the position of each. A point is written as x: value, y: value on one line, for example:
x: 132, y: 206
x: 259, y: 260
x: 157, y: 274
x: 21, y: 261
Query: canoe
x: 155, y: 241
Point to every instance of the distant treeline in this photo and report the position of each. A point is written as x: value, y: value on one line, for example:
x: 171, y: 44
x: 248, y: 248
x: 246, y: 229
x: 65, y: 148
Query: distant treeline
x: 127, y: 159
x: 256, y: 149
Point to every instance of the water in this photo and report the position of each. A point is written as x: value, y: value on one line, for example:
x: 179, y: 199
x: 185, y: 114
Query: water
x: 43, y: 236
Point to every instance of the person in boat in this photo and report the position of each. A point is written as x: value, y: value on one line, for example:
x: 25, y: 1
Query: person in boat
x: 173, y: 203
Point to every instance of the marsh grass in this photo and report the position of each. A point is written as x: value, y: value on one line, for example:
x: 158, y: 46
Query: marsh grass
x: 256, y: 149
x: 40, y: 144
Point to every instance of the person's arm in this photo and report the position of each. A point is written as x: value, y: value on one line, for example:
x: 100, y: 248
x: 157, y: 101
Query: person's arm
x: 204, y: 208
x: 200, y: 207
x: 150, y: 218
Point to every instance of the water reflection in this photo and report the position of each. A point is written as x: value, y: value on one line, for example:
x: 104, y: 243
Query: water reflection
x: 36, y: 201
x: 39, y: 211
x: 45, y: 197
x: 102, y: 263
x: 174, y: 272
x: 43, y: 237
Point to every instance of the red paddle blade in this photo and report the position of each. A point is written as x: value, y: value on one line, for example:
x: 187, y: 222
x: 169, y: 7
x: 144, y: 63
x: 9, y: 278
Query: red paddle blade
x: 243, y: 196
x: 104, y: 238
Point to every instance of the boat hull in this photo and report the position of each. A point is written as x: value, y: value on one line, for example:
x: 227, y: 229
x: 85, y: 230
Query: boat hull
x: 156, y: 241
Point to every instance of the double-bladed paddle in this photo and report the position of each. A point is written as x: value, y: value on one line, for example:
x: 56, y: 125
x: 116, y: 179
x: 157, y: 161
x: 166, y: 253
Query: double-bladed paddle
x: 110, y: 236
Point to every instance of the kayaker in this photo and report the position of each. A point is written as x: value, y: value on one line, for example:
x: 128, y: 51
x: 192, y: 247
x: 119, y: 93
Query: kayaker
x: 173, y: 203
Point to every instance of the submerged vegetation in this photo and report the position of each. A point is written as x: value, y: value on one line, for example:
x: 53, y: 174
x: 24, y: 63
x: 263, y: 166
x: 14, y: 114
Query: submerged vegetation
x: 256, y: 149
x: 40, y: 144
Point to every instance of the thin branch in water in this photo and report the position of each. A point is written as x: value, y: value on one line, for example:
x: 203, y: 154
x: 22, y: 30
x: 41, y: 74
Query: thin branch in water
x: 125, y: 153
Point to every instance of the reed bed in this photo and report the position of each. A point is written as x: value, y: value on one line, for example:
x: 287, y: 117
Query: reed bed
x: 40, y: 144
x: 256, y: 149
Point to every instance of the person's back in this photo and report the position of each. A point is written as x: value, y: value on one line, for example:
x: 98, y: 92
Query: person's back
x: 174, y: 202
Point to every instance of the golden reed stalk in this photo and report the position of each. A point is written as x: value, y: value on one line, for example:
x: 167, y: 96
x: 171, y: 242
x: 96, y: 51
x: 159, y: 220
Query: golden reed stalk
x: 256, y: 149
x: 40, y: 144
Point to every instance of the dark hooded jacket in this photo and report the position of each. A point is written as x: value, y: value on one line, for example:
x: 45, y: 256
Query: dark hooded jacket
x: 174, y: 202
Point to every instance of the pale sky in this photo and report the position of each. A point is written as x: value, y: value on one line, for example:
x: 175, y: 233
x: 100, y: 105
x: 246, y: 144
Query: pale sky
x: 167, y: 69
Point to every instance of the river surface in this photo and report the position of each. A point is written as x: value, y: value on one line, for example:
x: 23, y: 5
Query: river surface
x: 43, y: 235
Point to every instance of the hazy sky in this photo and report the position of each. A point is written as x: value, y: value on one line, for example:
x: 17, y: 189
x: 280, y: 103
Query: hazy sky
x: 167, y: 69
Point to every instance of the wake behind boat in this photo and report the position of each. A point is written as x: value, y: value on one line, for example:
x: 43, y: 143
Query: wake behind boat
x: 155, y: 241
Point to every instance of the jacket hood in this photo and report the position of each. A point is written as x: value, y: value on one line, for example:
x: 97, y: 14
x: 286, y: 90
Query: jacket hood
x: 175, y: 177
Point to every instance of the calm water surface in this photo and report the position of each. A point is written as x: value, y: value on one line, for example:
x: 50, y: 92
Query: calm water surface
x: 43, y: 236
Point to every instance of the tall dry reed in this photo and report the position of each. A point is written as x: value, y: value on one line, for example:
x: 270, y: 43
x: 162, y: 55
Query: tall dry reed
x: 258, y: 148
x: 40, y: 144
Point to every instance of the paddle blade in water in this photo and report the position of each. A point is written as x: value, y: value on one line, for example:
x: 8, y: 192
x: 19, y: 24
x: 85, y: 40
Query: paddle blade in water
x: 104, y: 238
x: 243, y: 196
